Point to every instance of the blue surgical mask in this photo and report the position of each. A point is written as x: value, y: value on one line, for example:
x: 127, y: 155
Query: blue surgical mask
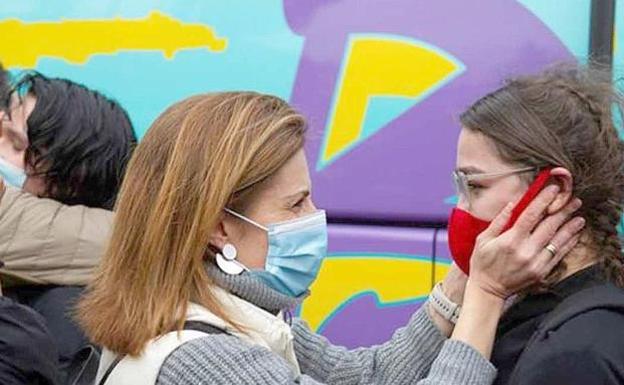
x: 11, y: 174
x: 296, y: 250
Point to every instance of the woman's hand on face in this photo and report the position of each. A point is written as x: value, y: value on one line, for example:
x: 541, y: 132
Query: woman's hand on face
x: 504, y: 264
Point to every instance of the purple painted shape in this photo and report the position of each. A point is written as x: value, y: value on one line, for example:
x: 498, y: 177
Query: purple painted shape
x: 443, y: 253
x: 403, y: 240
x: 364, y: 323
x: 402, y: 172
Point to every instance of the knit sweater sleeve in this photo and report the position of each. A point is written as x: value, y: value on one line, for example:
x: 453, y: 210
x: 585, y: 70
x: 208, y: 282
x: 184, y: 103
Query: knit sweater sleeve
x: 226, y: 360
x: 414, y: 352
x: 406, y: 359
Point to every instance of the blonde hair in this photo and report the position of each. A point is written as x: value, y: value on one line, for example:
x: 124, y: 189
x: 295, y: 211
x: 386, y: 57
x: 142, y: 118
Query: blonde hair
x: 202, y: 154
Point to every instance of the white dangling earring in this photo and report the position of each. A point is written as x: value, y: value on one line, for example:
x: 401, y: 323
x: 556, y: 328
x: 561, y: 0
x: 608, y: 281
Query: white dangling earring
x: 226, y: 260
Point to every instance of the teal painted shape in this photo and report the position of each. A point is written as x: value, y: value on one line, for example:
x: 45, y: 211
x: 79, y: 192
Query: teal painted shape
x: 618, y: 54
x: 568, y: 20
x: 452, y: 200
x: 381, y: 110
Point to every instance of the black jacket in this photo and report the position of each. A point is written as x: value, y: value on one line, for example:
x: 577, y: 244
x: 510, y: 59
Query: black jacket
x: 571, y: 335
x: 27, y: 352
x: 54, y: 304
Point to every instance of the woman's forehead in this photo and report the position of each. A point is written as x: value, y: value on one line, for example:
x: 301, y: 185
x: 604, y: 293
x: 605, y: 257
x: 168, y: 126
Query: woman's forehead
x: 292, y: 178
x: 476, y: 151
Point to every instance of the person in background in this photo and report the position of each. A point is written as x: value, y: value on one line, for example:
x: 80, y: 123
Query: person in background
x: 28, y: 354
x: 69, y: 145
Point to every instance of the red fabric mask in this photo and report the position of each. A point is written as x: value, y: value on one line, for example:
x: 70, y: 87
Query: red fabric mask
x: 464, y: 228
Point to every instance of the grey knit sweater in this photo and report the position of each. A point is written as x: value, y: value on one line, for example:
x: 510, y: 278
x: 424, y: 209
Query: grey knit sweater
x: 416, y: 354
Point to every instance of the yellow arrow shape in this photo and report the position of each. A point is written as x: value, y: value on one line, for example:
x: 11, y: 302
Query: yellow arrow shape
x: 381, y: 66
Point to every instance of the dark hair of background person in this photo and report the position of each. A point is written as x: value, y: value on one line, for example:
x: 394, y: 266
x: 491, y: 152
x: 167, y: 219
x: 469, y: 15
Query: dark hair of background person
x: 80, y: 141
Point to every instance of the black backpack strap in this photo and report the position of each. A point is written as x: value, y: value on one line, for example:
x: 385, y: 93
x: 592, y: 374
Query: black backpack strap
x: 83, y: 366
x: 604, y: 296
x: 203, y: 327
x: 110, y: 369
x: 188, y: 325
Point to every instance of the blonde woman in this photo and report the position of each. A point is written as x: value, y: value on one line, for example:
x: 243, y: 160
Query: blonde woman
x: 216, y: 236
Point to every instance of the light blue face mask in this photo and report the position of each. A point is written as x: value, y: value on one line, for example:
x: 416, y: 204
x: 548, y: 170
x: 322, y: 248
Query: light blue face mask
x: 296, y: 250
x: 11, y: 174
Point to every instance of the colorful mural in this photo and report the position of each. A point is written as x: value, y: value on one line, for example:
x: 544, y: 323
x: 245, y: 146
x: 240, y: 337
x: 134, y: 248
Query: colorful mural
x: 261, y: 52
x: 393, y: 161
x: 370, y: 284
x: 371, y: 181
x: 368, y: 95
x: 381, y: 83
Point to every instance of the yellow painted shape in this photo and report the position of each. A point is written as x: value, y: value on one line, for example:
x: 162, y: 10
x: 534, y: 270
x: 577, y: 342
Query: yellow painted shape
x: 23, y: 44
x: 340, y: 278
x: 380, y: 67
x: 440, y: 271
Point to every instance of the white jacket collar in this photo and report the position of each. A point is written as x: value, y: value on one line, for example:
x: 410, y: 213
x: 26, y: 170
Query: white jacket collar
x: 259, y: 326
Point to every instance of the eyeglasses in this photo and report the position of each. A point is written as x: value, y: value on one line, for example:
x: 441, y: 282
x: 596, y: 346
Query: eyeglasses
x: 462, y: 180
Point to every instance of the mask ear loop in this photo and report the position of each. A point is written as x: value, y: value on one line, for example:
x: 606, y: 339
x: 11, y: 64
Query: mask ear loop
x: 226, y: 258
x: 244, y: 218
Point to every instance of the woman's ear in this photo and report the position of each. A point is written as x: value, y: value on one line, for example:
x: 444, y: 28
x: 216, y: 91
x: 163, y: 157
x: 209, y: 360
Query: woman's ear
x: 219, y: 236
x: 563, y: 178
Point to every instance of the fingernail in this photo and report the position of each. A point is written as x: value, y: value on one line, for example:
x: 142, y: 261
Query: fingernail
x: 577, y: 203
x: 579, y: 223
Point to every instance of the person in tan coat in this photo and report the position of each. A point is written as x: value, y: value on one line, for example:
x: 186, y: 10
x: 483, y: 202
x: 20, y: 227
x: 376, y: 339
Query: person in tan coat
x: 64, y: 248
x: 61, y: 141
x: 27, y: 351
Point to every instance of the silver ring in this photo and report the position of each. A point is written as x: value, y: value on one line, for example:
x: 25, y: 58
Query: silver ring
x: 552, y: 249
